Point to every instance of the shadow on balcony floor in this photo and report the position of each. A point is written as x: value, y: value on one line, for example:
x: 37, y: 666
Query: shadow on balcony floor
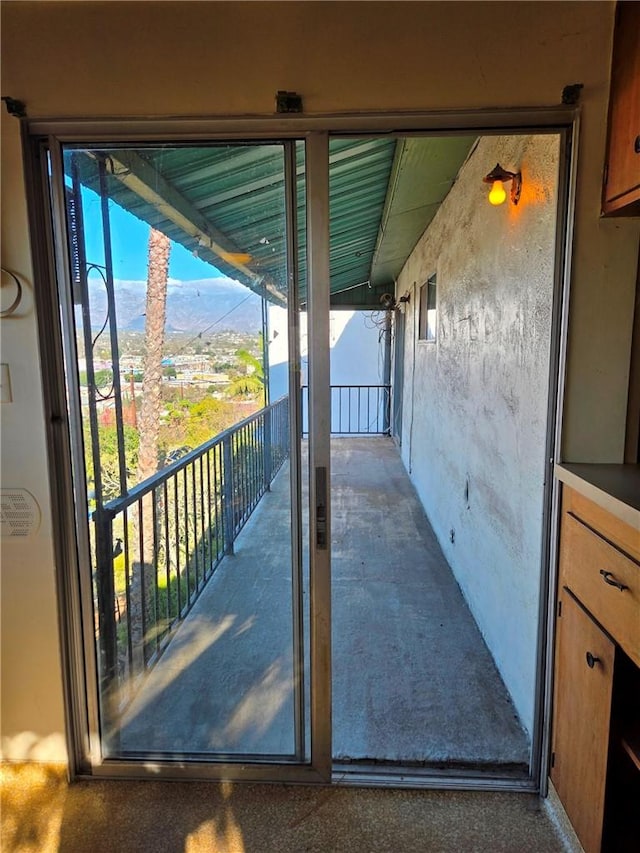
x: 413, y: 681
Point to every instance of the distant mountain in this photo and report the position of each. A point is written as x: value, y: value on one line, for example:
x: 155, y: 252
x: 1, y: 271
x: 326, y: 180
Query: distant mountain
x: 192, y: 306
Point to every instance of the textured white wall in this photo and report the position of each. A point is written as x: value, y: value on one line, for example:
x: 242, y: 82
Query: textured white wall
x: 356, y: 350
x: 476, y: 398
x: 31, y: 710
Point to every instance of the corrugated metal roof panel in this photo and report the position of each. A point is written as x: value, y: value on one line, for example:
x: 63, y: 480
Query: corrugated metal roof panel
x: 226, y: 202
x: 424, y: 170
x: 359, y: 172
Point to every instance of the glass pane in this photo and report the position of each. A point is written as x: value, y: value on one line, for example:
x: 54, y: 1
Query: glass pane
x: 179, y: 266
x: 437, y: 522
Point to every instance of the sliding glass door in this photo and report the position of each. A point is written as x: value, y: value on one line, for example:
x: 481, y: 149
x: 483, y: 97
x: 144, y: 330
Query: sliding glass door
x: 227, y: 307
x: 179, y: 282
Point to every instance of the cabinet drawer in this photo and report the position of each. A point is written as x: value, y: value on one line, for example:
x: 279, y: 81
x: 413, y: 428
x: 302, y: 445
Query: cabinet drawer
x: 589, y: 567
x: 582, y: 714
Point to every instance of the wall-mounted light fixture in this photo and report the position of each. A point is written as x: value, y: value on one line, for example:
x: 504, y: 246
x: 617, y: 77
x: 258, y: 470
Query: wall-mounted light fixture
x: 402, y: 302
x: 497, y: 178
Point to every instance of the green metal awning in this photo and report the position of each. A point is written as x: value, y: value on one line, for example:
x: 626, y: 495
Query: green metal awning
x: 424, y: 170
x: 226, y: 203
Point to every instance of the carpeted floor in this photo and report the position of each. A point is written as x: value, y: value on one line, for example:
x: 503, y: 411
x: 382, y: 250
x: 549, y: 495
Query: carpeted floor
x: 42, y: 814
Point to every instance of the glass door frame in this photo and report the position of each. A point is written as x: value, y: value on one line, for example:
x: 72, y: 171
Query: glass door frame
x: 85, y: 729
x: 47, y: 134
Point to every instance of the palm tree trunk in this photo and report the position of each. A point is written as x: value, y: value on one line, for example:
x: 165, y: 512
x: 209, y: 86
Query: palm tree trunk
x: 149, y: 415
x: 143, y: 577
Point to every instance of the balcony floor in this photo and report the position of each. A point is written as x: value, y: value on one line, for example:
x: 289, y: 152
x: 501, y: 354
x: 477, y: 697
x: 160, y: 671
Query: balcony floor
x: 413, y: 681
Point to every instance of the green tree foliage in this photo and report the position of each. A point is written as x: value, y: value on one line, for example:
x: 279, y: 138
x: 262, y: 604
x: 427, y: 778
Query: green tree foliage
x: 109, y: 463
x: 246, y: 386
x: 103, y: 378
x: 206, y: 419
x: 251, y: 383
x: 192, y: 424
x: 136, y: 375
x: 251, y: 361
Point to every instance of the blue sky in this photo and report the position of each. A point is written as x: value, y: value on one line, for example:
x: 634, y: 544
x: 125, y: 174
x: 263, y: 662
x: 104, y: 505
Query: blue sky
x: 129, y: 244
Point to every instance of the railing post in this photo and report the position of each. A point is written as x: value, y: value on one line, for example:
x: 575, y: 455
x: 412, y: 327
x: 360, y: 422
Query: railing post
x: 386, y: 417
x: 266, y: 448
x: 284, y: 435
x: 106, y: 609
x: 228, y: 493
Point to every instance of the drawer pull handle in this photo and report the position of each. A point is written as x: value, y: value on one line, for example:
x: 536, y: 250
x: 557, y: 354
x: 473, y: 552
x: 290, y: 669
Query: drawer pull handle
x: 591, y: 660
x: 608, y: 577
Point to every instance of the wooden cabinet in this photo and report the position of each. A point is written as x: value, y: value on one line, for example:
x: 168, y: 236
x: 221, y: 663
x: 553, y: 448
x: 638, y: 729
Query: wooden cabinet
x: 605, y: 579
x: 621, y: 193
x: 594, y: 765
x: 584, y: 683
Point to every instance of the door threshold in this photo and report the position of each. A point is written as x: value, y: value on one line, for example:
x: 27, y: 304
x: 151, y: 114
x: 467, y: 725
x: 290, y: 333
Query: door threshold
x: 390, y: 775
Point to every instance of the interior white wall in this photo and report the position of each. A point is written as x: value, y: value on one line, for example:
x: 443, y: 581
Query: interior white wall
x: 31, y: 698
x: 475, y: 400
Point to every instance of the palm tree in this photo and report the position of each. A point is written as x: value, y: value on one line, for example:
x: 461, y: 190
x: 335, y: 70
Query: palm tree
x: 252, y: 383
x: 149, y: 423
x: 149, y: 415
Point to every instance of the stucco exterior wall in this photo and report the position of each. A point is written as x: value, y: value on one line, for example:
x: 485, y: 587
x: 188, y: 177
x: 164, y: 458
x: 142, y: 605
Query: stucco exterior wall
x: 474, y: 421
x: 181, y: 58
x: 357, y: 351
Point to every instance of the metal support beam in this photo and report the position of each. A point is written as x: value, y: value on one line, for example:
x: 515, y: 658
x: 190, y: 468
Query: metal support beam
x: 113, y: 327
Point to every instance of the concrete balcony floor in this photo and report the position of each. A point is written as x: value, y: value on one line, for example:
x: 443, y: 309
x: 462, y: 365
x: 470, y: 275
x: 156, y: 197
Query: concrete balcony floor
x: 413, y: 681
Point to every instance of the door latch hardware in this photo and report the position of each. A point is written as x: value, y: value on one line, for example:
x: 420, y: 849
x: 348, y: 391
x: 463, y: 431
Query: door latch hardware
x: 321, y: 509
x: 608, y: 577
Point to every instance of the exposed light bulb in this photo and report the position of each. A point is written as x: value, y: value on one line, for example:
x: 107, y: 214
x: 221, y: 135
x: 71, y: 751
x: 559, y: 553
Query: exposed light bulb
x: 498, y: 193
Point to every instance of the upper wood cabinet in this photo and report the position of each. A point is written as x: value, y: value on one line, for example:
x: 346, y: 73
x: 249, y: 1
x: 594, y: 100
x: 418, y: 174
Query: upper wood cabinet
x: 621, y: 193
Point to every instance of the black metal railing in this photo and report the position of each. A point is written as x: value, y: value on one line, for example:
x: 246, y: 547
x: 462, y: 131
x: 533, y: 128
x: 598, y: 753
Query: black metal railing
x: 158, y: 545
x: 355, y: 409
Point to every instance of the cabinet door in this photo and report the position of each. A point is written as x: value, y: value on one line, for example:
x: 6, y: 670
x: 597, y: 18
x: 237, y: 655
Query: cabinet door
x: 623, y: 173
x: 582, y: 711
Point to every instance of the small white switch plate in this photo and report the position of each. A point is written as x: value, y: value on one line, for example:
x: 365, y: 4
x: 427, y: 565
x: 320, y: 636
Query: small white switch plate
x: 5, y: 384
